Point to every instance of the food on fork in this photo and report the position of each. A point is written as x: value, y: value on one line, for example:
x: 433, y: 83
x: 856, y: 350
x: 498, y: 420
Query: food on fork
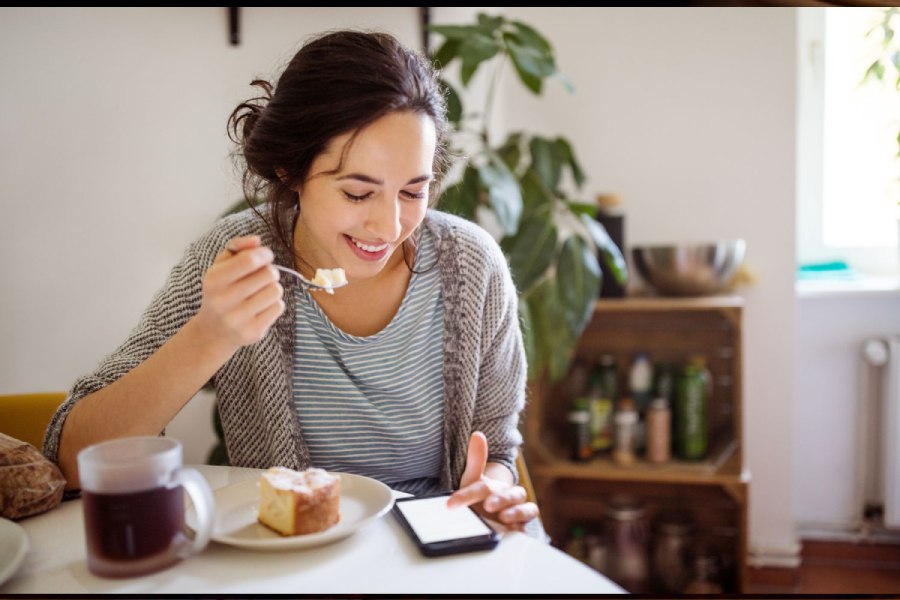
x: 329, y: 278
x: 299, y: 502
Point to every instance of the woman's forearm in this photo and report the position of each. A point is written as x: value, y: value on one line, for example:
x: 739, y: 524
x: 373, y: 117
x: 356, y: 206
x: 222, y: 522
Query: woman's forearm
x: 146, y: 399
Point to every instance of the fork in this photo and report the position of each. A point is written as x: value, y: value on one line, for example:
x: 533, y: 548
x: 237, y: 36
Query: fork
x: 307, y: 284
x: 304, y: 282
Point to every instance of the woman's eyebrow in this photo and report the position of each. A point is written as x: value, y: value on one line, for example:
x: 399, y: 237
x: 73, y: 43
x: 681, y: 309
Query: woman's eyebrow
x: 368, y: 179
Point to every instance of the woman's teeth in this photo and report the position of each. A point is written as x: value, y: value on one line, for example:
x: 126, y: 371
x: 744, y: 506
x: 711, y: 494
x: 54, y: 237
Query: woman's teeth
x: 367, y: 247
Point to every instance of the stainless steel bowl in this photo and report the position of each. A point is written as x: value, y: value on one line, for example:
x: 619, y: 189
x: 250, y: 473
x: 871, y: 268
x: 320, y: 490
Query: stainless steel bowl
x: 689, y: 269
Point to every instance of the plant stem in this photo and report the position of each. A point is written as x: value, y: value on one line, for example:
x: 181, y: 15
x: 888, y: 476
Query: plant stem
x: 489, y: 100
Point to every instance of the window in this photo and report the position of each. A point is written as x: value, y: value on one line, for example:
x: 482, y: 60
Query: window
x: 848, y: 170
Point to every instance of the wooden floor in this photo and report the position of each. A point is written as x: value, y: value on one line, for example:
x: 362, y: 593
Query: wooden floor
x: 835, y: 568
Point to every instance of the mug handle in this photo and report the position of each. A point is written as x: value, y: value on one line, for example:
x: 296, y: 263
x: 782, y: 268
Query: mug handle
x: 204, y: 506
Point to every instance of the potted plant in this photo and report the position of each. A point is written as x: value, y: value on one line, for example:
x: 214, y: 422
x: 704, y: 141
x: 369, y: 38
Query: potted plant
x: 516, y: 185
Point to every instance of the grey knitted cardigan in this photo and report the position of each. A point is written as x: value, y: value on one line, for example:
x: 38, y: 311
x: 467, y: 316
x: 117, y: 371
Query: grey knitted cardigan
x: 484, y: 360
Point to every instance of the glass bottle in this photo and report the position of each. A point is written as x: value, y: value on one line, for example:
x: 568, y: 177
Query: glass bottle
x: 626, y: 420
x: 579, y: 418
x: 672, y: 559
x: 659, y: 431
x: 610, y: 215
x: 576, y: 546
x: 609, y: 377
x: 626, y: 528
x: 640, y: 380
x: 706, y: 574
x: 600, y: 407
x: 691, y: 414
x: 596, y: 552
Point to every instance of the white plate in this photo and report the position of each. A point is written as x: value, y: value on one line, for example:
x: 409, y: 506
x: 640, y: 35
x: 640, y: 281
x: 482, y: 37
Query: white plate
x: 13, y: 548
x: 362, y: 500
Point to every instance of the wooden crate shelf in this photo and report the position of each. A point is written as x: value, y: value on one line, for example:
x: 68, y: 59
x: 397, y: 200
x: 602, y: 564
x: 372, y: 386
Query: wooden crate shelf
x: 669, y: 329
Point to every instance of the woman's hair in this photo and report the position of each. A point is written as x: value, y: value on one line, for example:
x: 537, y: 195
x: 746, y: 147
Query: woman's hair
x: 337, y: 83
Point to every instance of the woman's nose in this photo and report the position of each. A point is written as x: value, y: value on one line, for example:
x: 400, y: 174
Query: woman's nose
x: 384, y: 219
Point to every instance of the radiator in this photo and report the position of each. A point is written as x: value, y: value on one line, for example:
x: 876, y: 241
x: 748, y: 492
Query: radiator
x: 879, y: 466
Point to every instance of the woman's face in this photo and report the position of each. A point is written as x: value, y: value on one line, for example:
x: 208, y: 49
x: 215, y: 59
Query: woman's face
x: 357, y: 217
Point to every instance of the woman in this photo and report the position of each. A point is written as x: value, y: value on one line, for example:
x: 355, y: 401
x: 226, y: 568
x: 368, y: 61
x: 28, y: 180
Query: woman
x: 413, y: 373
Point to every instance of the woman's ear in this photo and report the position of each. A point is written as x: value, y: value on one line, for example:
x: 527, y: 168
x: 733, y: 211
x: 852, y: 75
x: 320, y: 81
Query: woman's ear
x: 283, y: 176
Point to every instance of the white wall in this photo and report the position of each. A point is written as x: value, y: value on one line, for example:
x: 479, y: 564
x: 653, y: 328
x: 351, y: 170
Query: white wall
x: 112, y: 138
x: 689, y: 115
x: 831, y: 329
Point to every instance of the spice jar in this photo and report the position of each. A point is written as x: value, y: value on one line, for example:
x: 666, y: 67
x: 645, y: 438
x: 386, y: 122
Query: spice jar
x: 575, y: 545
x: 626, y: 529
x: 626, y: 421
x: 672, y: 559
x: 706, y: 578
x: 580, y: 418
x: 659, y: 431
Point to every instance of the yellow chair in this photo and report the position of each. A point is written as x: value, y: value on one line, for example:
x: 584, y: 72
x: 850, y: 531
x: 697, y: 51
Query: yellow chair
x: 26, y: 416
x: 524, y: 477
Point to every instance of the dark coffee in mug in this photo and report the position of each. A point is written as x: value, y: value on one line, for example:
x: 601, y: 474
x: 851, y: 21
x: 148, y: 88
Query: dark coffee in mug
x: 134, y: 525
x: 132, y: 498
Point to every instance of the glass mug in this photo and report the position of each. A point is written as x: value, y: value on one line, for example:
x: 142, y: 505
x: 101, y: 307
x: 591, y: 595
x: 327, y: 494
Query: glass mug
x: 131, y: 490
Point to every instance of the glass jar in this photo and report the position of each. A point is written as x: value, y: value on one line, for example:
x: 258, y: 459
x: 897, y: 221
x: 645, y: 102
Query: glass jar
x: 706, y: 576
x: 627, y: 532
x: 672, y: 559
x: 626, y: 420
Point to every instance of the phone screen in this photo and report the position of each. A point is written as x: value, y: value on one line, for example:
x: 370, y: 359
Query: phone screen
x: 438, y: 530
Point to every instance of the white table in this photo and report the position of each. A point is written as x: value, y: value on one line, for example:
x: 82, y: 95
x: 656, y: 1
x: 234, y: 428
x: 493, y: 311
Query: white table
x: 377, y: 559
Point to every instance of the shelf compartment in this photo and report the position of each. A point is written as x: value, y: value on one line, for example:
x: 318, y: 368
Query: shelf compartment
x: 723, y: 468
x: 669, y: 329
x: 579, y: 502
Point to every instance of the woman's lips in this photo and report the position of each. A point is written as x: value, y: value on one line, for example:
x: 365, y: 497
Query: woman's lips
x: 371, y: 252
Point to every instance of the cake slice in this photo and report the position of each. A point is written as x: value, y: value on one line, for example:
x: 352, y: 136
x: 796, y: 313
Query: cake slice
x: 330, y: 278
x: 299, y: 502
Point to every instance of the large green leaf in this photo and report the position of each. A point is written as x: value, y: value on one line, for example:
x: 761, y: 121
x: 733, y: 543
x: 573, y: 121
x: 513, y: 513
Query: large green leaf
x: 454, y: 102
x: 582, y: 208
x: 531, y: 251
x: 462, y: 198
x: 511, y: 151
x: 447, y: 52
x: 454, y: 32
x: 504, y: 193
x: 489, y: 25
x: 531, y: 65
x: 528, y: 340
x: 564, y: 148
x: 609, y: 252
x: 530, y: 37
x: 473, y: 51
x: 555, y: 344
x: 578, y: 278
x: 547, y: 161
x: 537, y: 199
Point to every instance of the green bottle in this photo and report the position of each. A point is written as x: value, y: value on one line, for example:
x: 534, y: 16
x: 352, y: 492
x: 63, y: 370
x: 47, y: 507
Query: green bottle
x: 692, y: 403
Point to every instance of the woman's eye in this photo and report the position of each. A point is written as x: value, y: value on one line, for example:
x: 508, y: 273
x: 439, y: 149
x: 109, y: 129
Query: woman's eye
x: 355, y: 198
x: 415, y: 195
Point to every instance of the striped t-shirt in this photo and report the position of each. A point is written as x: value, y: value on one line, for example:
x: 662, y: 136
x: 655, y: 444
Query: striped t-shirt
x: 374, y: 405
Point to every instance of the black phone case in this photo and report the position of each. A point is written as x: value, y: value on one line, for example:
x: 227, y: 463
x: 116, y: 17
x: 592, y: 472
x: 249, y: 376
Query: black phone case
x: 470, y: 544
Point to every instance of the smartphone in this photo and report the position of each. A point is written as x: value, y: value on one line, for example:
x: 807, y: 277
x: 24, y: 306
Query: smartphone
x: 438, y: 530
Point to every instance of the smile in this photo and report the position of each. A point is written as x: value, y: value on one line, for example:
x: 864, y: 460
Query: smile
x: 368, y: 247
x: 368, y: 252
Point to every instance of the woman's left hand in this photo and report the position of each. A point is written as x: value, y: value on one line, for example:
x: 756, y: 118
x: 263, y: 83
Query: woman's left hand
x: 492, y: 497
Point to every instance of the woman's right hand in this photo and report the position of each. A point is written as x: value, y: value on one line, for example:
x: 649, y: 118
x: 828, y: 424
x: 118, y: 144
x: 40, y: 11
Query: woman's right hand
x: 242, y: 297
